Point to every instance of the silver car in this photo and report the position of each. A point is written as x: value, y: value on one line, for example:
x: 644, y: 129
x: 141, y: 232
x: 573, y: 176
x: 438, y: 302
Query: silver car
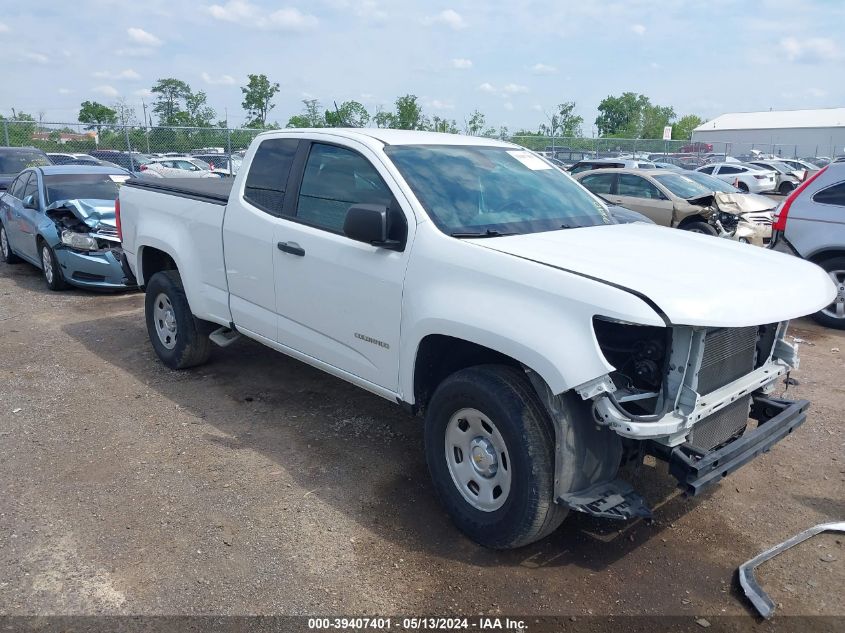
x: 811, y: 224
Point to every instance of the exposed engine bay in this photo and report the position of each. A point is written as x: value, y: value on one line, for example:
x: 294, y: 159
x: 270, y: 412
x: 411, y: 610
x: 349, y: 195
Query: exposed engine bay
x: 83, y: 232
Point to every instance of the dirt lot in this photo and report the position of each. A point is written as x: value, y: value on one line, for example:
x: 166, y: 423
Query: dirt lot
x: 257, y: 485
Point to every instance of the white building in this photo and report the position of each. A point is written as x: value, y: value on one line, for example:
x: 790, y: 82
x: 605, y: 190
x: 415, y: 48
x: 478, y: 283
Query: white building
x: 800, y: 133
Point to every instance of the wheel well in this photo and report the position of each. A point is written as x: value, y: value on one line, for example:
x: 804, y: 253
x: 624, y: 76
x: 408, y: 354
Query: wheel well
x: 822, y: 256
x: 692, y: 218
x: 439, y: 356
x: 154, y: 261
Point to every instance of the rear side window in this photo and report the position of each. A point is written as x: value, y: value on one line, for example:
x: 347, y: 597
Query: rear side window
x: 268, y: 174
x: 336, y: 178
x: 832, y: 195
x: 599, y: 183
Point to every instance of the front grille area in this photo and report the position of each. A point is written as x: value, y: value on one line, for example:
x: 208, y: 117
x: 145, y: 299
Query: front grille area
x: 720, y: 427
x: 728, y: 355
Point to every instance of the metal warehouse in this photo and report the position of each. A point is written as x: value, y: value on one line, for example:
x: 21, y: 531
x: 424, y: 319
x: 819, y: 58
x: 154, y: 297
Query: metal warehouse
x: 799, y: 133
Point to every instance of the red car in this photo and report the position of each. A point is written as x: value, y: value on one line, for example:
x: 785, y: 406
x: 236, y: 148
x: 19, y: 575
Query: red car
x: 697, y: 148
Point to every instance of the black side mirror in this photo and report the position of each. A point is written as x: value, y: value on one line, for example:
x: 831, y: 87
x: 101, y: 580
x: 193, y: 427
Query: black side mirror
x: 368, y: 223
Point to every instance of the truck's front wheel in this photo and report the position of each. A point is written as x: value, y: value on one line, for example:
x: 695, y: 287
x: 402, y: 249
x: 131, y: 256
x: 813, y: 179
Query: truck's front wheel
x: 490, y: 450
x: 178, y: 337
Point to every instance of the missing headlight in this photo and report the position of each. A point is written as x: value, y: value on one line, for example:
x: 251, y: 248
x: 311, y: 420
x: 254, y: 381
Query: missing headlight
x: 639, y: 356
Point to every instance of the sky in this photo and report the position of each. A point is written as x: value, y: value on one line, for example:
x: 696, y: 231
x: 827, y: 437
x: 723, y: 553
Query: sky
x: 511, y: 60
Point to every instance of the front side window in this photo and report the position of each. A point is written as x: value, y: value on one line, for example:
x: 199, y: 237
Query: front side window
x: 31, y: 189
x: 470, y: 190
x: 727, y: 169
x: 599, y: 183
x: 268, y: 174
x: 706, y: 170
x: 636, y: 187
x: 683, y: 187
x: 18, y: 186
x: 335, y: 179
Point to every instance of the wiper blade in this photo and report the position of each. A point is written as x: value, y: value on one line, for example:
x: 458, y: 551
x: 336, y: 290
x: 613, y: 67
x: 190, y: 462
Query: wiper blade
x: 487, y: 233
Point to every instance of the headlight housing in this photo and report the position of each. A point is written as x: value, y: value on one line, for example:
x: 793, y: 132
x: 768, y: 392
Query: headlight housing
x: 79, y: 241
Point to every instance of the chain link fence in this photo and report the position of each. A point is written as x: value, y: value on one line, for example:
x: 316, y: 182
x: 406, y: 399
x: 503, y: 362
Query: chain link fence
x: 161, y: 140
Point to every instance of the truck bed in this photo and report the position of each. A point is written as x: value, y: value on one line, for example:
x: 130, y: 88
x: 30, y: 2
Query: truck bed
x: 212, y: 190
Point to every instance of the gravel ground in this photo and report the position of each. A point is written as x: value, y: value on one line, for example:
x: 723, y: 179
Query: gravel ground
x: 258, y: 485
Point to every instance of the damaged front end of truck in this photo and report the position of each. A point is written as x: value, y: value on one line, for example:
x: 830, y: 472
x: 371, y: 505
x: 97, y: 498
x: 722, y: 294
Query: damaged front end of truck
x: 695, y: 397
x: 87, y: 244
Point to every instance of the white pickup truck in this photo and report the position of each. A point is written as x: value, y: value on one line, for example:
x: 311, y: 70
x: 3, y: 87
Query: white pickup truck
x: 472, y: 281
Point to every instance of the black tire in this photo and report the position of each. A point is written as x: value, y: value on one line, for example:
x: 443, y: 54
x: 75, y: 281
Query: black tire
x: 190, y: 344
x: 700, y: 227
x: 835, y: 266
x: 785, y: 188
x: 508, y: 399
x: 51, y: 270
x: 6, y: 252
x: 742, y: 187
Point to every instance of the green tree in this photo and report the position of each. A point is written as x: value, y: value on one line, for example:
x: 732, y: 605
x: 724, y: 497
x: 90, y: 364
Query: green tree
x: 258, y: 99
x: 622, y: 115
x: 408, y: 114
x: 564, y: 122
x: 654, y: 119
x: 21, y: 132
x: 682, y: 130
x: 168, y: 104
x: 443, y: 125
x: 96, y: 115
x: 348, y: 114
x: 384, y: 119
x: 200, y: 114
x: 474, y: 126
x: 311, y: 115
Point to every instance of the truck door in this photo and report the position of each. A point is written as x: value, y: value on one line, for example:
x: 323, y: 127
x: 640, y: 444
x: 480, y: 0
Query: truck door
x: 339, y: 301
x: 249, y: 227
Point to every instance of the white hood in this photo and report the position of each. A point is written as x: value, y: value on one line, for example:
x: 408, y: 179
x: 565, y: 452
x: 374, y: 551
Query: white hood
x: 694, y: 279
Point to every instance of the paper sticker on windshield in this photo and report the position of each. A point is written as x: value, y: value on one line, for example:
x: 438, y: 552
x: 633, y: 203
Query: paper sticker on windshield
x: 118, y: 178
x: 528, y: 159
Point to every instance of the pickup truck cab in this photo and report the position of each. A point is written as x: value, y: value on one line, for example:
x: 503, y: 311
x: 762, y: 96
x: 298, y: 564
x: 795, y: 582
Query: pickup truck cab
x: 472, y: 281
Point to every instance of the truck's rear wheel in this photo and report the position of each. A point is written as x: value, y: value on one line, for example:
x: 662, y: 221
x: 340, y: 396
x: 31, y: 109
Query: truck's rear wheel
x: 490, y: 449
x: 178, y: 337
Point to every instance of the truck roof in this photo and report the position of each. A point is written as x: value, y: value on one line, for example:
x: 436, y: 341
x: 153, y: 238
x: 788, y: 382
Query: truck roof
x: 387, y: 136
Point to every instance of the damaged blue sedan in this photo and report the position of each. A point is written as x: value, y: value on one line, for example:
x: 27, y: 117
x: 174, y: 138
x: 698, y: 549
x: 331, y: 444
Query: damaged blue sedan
x: 62, y: 220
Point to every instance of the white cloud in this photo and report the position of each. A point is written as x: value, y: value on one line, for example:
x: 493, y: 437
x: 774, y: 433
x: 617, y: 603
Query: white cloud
x: 508, y: 106
x: 143, y: 92
x: 461, y: 64
x: 513, y: 89
x: 248, y: 14
x: 816, y: 92
x: 140, y: 36
x: 447, y: 17
x: 543, y: 69
x: 654, y: 65
x: 812, y: 50
x: 537, y: 107
x: 639, y: 29
x: 487, y: 87
x: 137, y: 51
x: 222, y: 80
x: 38, y: 58
x: 4, y: 28
x: 128, y: 75
x: 107, y: 91
x: 436, y: 104
x: 64, y: 91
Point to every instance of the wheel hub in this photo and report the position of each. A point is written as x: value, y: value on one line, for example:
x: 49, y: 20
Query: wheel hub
x: 484, y: 459
x: 837, y: 308
x: 164, y: 318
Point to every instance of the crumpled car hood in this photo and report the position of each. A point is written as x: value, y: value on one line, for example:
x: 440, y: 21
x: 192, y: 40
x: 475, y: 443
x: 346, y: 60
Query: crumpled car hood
x: 693, y: 279
x: 93, y: 212
x: 739, y: 203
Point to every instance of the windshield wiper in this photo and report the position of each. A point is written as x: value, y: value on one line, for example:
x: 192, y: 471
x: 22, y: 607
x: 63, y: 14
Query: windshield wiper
x: 487, y: 233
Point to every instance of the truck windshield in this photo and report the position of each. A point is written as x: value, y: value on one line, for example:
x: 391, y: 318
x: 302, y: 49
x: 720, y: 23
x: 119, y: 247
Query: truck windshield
x: 490, y: 191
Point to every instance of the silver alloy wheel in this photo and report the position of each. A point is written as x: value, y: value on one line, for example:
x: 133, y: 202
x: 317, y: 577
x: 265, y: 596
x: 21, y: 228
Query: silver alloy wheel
x: 836, y: 309
x: 47, y: 263
x: 478, y: 460
x: 4, y: 241
x: 165, y: 321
